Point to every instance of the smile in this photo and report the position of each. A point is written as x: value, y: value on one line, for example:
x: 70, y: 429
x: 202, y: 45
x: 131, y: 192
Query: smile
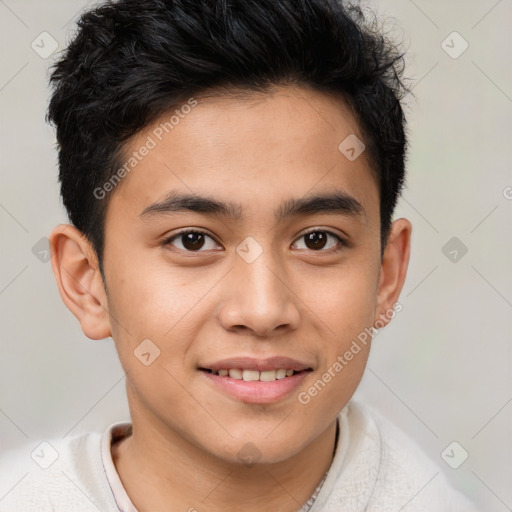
x: 254, y: 375
x: 256, y: 381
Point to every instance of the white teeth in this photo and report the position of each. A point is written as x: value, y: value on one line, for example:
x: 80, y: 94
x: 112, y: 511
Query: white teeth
x: 280, y: 374
x: 253, y: 375
x: 236, y: 374
x: 249, y: 375
x: 268, y: 376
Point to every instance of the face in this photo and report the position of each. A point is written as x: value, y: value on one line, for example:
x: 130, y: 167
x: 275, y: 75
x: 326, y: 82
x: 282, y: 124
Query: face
x: 259, y: 280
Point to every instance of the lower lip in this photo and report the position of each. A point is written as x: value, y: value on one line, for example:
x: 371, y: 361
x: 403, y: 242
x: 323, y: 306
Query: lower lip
x: 256, y: 392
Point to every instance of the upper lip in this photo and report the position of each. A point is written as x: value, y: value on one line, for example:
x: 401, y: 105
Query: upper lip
x: 261, y: 365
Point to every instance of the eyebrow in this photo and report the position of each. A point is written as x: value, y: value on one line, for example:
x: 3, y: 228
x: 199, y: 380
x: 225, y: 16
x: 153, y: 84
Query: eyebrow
x: 335, y: 202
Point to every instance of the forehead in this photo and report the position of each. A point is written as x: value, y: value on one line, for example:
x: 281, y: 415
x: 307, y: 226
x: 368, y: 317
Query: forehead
x: 250, y: 147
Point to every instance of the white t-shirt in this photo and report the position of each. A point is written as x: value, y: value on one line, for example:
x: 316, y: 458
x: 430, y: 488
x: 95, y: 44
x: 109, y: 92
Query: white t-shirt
x: 376, y: 468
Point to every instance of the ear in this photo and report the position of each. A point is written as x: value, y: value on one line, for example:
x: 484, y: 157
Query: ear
x: 75, y: 266
x: 393, y: 271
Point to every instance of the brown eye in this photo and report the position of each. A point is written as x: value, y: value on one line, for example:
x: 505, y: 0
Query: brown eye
x: 191, y: 241
x: 316, y: 240
x: 319, y: 239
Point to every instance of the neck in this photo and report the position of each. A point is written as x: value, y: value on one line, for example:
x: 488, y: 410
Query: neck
x: 162, y: 472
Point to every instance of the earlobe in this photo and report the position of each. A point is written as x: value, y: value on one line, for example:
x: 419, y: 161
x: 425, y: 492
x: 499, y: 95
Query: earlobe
x: 393, y: 270
x: 76, y: 270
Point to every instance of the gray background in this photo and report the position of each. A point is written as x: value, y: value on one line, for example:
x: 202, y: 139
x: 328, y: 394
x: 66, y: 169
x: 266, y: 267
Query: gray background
x: 441, y: 370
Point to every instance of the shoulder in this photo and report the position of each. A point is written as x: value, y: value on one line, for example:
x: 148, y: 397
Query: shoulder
x: 383, y: 470
x: 408, y: 474
x: 56, y: 475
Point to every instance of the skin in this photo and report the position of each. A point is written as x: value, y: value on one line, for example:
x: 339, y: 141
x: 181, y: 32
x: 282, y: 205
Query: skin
x: 198, y: 307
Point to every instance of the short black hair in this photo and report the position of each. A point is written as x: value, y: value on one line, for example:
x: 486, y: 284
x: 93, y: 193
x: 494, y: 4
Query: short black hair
x: 130, y: 61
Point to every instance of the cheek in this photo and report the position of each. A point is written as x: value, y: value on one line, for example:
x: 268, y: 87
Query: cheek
x: 345, y: 302
x: 166, y: 307
x: 345, y: 299
x: 150, y: 301
x: 346, y: 311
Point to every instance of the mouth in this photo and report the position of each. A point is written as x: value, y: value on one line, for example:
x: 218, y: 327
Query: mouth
x: 255, y: 375
x: 256, y: 381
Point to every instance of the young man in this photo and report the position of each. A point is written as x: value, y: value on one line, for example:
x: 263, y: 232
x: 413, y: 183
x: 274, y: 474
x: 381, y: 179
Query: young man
x: 230, y: 170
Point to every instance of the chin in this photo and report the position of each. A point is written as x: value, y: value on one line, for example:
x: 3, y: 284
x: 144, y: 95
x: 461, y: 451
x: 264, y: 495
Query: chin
x: 258, y: 451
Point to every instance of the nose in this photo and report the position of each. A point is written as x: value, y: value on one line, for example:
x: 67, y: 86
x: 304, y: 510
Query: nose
x: 259, y: 299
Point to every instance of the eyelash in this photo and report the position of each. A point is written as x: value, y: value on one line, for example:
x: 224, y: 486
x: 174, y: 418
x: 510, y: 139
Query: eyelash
x: 340, y: 240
